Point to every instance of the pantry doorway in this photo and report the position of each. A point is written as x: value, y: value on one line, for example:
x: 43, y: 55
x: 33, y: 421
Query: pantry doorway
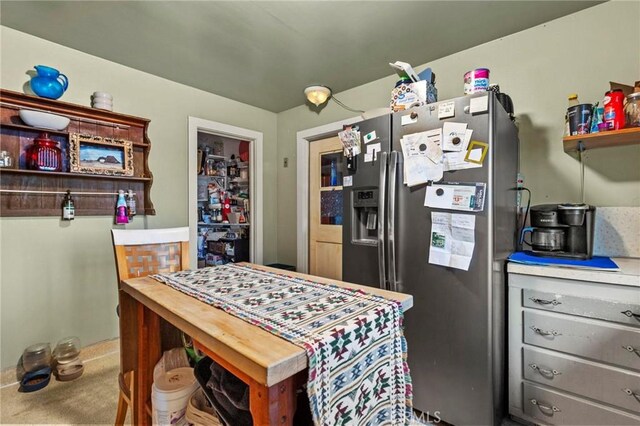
x: 225, y: 194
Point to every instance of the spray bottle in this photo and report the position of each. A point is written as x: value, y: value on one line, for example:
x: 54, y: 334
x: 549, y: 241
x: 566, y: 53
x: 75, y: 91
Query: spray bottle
x: 131, y: 204
x: 121, y: 209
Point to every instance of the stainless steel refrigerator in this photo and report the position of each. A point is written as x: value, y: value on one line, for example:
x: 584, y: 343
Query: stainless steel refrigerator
x: 456, y: 328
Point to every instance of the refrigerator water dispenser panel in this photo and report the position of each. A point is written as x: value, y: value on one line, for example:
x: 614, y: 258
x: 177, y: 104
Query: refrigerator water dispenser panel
x: 364, y: 217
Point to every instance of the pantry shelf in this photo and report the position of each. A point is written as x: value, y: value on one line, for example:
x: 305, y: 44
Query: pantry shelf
x: 613, y: 138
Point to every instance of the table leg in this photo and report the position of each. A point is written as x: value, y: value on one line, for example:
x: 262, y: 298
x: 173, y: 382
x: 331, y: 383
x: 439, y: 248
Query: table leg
x: 274, y: 405
x: 269, y: 405
x: 148, y: 354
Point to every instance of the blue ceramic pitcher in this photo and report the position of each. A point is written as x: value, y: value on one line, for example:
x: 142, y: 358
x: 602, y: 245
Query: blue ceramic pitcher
x: 49, y: 83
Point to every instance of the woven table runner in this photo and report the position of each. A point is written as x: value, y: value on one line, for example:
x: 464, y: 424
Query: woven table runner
x: 358, y: 374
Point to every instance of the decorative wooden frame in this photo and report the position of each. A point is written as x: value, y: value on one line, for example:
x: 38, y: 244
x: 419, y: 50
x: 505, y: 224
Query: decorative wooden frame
x: 77, y: 141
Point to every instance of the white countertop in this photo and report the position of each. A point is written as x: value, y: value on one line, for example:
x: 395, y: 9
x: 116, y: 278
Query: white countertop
x: 629, y: 273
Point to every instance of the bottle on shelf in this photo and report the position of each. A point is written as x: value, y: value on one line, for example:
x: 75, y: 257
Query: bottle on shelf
x: 131, y: 204
x: 232, y: 170
x: 68, y: 207
x: 613, y: 109
x: 121, y: 209
x: 572, y: 100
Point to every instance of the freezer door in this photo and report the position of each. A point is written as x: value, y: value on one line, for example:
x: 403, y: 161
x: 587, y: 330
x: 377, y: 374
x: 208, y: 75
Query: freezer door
x: 454, y: 330
x: 361, y: 256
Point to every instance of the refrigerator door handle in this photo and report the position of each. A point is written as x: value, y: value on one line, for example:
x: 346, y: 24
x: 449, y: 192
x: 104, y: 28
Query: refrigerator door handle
x: 391, y: 220
x: 382, y: 158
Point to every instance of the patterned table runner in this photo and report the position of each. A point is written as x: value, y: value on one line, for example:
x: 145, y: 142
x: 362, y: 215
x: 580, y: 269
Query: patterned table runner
x: 358, y: 374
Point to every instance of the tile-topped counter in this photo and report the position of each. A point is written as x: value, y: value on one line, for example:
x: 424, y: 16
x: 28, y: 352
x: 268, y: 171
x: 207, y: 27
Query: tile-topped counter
x: 629, y: 273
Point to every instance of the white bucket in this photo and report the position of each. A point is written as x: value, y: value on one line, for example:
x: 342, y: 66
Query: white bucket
x: 170, y: 394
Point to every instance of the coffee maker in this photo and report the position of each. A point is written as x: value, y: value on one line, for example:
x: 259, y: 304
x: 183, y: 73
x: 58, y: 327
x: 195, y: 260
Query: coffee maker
x: 561, y: 230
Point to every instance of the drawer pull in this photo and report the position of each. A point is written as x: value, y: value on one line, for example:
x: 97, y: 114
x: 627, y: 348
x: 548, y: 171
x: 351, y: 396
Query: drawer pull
x: 545, y: 372
x: 545, y: 332
x: 545, y: 409
x: 632, y: 393
x: 632, y: 349
x: 553, y: 302
x: 631, y: 314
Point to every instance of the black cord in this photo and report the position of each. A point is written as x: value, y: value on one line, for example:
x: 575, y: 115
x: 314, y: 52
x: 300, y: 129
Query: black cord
x: 344, y: 106
x: 526, y: 213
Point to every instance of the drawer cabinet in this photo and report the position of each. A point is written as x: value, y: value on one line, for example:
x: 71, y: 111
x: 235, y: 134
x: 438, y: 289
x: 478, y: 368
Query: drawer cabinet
x: 574, y: 351
x: 551, y: 407
x: 608, y: 310
x: 596, y: 381
x: 591, y: 339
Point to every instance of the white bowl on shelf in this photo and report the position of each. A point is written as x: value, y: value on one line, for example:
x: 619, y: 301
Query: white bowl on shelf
x: 103, y: 105
x: 102, y: 95
x: 44, y: 120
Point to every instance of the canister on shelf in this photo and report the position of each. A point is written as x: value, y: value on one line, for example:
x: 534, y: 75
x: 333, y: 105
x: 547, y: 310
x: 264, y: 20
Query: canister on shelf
x: 44, y: 154
x: 613, y: 111
x: 632, y: 110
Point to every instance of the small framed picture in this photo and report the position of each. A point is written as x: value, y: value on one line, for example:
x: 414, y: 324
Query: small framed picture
x: 100, y: 156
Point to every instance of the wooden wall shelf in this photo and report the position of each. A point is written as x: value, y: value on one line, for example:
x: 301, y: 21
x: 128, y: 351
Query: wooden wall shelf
x: 74, y: 175
x: 38, y: 198
x: 613, y: 138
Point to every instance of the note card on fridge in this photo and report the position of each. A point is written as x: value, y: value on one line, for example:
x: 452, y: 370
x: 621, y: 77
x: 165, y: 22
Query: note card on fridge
x: 456, y: 196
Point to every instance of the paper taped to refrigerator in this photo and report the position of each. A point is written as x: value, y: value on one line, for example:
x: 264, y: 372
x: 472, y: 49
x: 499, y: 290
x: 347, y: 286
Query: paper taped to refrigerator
x: 422, y: 159
x: 372, y: 152
x: 456, y: 196
x: 453, y: 135
x: 350, y: 139
x: 456, y: 160
x: 452, y: 239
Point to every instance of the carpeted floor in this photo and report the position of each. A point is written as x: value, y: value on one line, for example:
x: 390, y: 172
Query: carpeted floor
x: 90, y: 399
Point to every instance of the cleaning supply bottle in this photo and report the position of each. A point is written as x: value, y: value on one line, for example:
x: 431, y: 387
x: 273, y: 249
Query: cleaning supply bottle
x: 131, y: 204
x: 572, y: 100
x: 121, y: 209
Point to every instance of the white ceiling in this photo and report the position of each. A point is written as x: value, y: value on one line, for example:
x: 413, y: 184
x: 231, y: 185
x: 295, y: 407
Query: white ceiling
x: 265, y: 53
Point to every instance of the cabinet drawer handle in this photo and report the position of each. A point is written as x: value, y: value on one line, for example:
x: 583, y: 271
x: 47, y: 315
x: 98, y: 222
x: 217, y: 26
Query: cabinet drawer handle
x: 632, y: 393
x: 632, y: 349
x: 553, y: 302
x: 544, y: 372
x: 631, y: 314
x: 545, y: 332
x: 545, y: 409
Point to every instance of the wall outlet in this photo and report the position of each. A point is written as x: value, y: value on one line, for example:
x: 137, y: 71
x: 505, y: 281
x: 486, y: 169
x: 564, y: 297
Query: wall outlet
x: 286, y: 162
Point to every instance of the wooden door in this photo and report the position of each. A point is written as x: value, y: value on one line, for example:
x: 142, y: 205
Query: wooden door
x: 325, y: 208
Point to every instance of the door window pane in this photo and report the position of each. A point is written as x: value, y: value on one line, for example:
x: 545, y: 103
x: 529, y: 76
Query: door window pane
x: 331, y: 169
x: 331, y: 207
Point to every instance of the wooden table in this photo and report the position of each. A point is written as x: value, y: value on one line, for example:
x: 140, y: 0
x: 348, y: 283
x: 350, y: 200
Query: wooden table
x: 272, y: 367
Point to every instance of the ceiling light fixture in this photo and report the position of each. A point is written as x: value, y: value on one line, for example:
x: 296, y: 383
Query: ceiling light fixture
x: 319, y: 94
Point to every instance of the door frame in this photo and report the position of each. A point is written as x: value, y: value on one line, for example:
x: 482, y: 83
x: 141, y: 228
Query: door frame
x: 256, y: 198
x: 303, y: 139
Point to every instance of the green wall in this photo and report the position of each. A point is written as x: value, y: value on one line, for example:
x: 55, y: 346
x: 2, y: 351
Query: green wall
x: 538, y: 68
x: 59, y: 279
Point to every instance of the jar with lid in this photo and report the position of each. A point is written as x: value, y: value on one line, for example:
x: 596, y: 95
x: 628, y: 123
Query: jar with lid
x: 44, y: 154
x: 632, y: 110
